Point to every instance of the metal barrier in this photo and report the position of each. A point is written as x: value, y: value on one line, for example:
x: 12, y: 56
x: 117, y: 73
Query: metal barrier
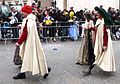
x: 61, y: 30
x: 56, y: 30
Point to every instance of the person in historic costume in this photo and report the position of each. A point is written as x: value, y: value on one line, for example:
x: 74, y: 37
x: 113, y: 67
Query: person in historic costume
x: 31, y: 51
x: 86, y: 54
x: 104, y: 56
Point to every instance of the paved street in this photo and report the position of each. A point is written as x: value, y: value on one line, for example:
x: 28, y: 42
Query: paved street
x: 61, y: 57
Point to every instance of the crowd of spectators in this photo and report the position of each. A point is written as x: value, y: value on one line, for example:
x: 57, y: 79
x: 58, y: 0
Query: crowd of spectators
x: 50, y: 17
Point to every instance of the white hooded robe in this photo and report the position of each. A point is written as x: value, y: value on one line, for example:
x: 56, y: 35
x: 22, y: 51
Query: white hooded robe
x: 31, y: 50
x: 104, y: 59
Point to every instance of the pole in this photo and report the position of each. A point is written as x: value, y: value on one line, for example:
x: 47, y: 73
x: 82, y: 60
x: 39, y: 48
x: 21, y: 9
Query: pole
x: 119, y: 4
x: 65, y: 4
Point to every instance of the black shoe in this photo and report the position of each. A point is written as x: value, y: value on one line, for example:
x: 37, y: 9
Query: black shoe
x: 77, y: 63
x: 46, y: 75
x: 20, y: 67
x: 49, y: 69
x: 86, y: 73
x: 20, y: 76
x: 18, y: 63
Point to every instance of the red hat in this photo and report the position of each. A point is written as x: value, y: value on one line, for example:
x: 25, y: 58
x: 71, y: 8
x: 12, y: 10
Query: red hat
x: 27, y: 9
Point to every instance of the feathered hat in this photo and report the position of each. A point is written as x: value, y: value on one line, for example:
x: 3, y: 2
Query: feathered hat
x: 105, y: 15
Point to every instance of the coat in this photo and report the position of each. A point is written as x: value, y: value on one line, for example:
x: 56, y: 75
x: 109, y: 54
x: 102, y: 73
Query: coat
x: 31, y: 50
x: 104, y: 59
x: 86, y: 45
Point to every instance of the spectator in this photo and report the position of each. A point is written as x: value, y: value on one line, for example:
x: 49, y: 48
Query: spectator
x: 64, y: 24
x: 14, y: 17
x: 39, y: 4
x: 47, y: 22
x: 118, y: 34
x: 80, y: 17
x: 2, y: 19
x: 71, y: 14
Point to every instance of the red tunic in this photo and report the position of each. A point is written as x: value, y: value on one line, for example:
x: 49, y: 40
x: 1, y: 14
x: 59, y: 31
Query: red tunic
x: 24, y: 34
x: 105, y: 36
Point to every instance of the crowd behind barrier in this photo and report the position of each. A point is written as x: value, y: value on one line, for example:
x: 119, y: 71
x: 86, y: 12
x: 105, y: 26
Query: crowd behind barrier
x: 52, y: 31
x: 52, y: 22
x: 61, y: 30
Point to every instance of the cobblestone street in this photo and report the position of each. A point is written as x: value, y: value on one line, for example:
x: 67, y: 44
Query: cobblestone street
x: 61, y: 57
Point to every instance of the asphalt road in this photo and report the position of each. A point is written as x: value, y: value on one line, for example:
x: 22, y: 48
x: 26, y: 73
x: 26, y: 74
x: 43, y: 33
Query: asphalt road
x: 61, y: 57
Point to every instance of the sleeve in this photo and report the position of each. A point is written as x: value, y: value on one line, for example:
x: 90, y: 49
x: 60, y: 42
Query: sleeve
x: 105, y: 36
x: 23, y: 36
x: 117, y: 35
x: 93, y: 29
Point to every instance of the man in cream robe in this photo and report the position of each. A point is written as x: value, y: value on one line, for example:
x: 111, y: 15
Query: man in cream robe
x: 103, y: 51
x: 104, y: 59
x: 86, y: 52
x: 31, y: 51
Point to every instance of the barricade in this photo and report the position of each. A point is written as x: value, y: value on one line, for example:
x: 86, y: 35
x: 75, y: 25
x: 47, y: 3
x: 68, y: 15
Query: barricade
x: 59, y: 30
x: 8, y: 32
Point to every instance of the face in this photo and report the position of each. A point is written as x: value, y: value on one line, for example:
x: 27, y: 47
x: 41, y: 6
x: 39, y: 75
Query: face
x: 25, y: 14
x: 13, y: 10
x: 98, y: 15
x: 17, y: 2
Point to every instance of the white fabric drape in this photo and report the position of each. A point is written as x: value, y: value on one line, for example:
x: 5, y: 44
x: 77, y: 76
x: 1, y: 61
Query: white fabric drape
x: 31, y: 50
x: 104, y: 59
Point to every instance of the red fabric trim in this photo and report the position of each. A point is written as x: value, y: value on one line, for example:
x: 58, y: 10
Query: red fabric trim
x: 105, y: 36
x: 23, y: 36
x: 95, y: 30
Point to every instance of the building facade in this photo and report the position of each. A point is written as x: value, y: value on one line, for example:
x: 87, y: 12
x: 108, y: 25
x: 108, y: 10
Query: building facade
x: 77, y: 4
x: 89, y: 4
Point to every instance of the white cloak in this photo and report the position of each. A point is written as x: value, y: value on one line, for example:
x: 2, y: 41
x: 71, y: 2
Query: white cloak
x: 31, y: 50
x: 104, y: 59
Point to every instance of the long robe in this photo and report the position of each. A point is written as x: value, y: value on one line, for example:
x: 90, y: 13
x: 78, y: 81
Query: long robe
x: 31, y: 50
x: 86, y: 47
x: 104, y: 59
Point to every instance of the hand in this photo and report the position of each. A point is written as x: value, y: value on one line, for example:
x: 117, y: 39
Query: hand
x: 19, y: 26
x: 17, y: 44
x: 104, y: 48
x: 1, y: 21
x: 10, y: 18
